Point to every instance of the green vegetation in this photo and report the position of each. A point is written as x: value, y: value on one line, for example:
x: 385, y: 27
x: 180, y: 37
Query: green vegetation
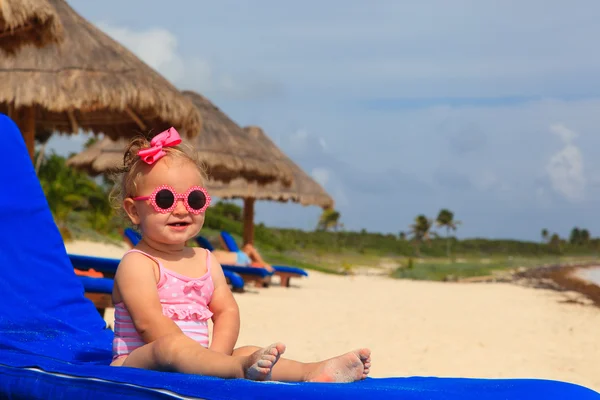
x: 81, y: 210
x: 76, y: 201
x: 449, y: 270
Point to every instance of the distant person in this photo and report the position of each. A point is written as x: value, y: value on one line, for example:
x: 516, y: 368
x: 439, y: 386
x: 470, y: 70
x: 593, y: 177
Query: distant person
x: 165, y: 293
x: 247, y: 256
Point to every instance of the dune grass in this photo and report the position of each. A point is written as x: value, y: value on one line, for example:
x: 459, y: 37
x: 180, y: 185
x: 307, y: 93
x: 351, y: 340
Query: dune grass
x: 437, y: 269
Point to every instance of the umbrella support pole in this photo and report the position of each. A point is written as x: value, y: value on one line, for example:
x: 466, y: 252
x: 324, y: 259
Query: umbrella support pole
x: 26, y: 122
x: 248, y: 218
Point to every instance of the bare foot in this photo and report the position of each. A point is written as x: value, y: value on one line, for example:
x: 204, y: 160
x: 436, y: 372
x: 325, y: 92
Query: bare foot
x: 348, y: 367
x: 258, y: 365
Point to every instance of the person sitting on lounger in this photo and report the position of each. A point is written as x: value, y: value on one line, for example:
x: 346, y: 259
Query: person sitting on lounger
x: 165, y: 292
x: 247, y: 256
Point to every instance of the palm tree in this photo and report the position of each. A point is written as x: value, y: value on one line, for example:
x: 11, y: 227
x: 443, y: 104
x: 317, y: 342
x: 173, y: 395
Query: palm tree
x: 42, y: 138
x: 330, y: 219
x: 575, y: 236
x: 555, y: 243
x: 545, y: 234
x: 446, y: 219
x: 420, y: 231
x: 584, y: 236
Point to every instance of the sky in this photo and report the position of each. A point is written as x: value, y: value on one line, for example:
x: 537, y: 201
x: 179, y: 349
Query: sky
x: 397, y: 108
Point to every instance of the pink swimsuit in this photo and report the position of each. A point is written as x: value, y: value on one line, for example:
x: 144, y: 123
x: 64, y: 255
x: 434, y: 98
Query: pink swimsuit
x: 184, y: 300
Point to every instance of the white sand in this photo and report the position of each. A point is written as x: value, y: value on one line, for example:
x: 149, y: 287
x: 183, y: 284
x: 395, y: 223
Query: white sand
x: 422, y: 328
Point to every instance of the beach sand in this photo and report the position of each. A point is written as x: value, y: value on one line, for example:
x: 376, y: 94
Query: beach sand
x: 484, y: 330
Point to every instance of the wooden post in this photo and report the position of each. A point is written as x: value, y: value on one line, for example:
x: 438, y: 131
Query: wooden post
x: 248, y: 220
x: 26, y: 123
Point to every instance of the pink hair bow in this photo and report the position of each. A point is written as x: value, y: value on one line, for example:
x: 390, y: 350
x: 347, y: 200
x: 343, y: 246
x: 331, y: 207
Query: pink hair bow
x: 155, y: 152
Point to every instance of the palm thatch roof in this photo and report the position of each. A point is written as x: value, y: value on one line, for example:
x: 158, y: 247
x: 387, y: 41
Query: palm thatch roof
x: 226, y: 150
x: 90, y: 81
x: 304, y: 189
x: 104, y: 156
x: 28, y: 22
x: 229, y: 153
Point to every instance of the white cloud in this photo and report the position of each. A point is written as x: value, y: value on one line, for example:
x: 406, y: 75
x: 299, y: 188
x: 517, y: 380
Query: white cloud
x: 158, y: 47
x: 565, y: 167
x: 566, y: 134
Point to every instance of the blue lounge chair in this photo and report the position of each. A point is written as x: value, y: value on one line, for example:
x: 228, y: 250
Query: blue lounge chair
x: 258, y: 275
x: 98, y: 290
x: 284, y: 272
x: 55, y: 345
x: 233, y: 278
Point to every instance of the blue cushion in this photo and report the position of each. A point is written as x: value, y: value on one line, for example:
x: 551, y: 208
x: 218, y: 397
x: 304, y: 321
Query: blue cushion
x: 43, y: 310
x: 52, y: 339
x: 229, y: 241
x: 261, y: 272
x: 21, y: 382
x: 291, y: 270
x: 236, y: 281
x: 100, y: 264
x: 97, y: 285
x: 204, y: 243
x: 133, y: 236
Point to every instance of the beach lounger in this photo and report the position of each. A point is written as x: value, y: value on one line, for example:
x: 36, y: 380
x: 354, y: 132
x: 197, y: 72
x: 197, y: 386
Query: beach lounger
x: 54, y: 345
x: 260, y: 276
x: 233, y: 278
x: 284, y: 272
x: 98, y: 290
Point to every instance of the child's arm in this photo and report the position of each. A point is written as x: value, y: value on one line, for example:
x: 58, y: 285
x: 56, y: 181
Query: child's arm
x: 226, y: 314
x: 136, y: 283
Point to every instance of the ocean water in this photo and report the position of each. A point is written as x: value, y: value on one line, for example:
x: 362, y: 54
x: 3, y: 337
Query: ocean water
x: 590, y: 274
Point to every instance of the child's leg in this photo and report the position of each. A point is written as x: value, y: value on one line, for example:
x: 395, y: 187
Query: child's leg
x: 348, y: 367
x: 180, y: 353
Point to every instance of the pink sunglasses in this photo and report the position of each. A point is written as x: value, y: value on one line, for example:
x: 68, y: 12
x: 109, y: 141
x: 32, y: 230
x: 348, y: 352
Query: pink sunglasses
x: 164, y: 199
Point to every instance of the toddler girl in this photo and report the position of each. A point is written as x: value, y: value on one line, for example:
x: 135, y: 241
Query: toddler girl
x: 165, y: 292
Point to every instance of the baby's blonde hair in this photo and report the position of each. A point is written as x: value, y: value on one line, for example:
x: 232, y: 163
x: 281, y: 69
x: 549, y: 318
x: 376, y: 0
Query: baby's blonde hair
x: 126, y: 178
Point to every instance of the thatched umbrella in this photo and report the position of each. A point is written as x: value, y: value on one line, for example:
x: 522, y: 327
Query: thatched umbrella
x: 229, y: 153
x: 28, y: 22
x: 89, y: 82
x: 226, y: 150
x: 303, y: 190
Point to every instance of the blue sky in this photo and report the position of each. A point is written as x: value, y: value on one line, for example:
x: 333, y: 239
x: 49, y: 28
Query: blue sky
x: 398, y: 107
